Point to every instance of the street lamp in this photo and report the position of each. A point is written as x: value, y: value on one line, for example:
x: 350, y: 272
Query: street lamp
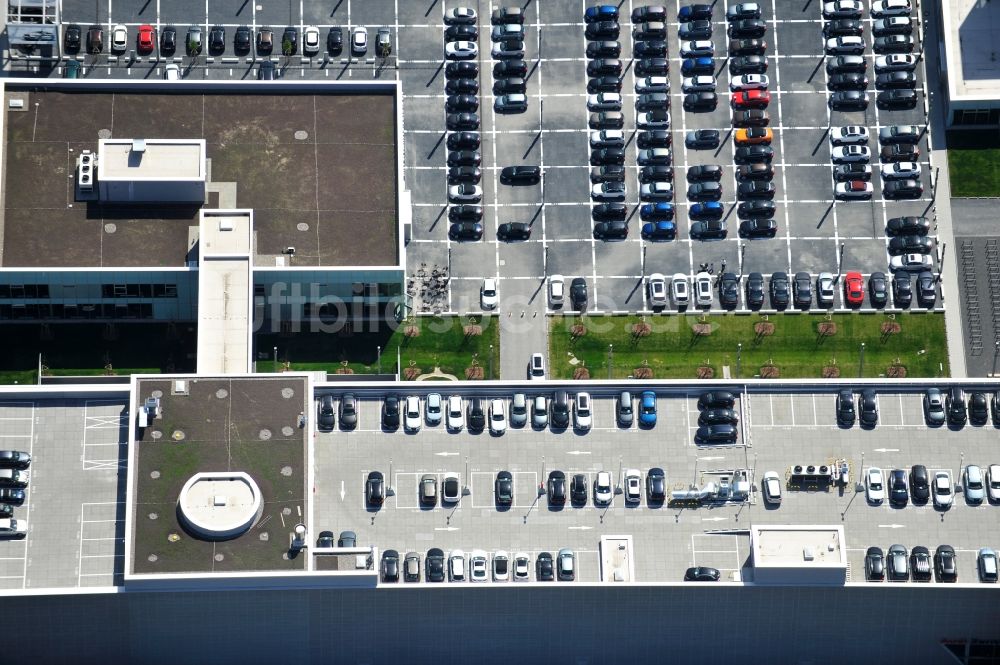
x: 743, y: 253
x: 611, y: 358
x: 840, y: 261
x: 378, y: 353
x: 275, y: 358
x: 491, y: 361
x: 739, y: 354
x: 996, y: 352
x: 861, y: 363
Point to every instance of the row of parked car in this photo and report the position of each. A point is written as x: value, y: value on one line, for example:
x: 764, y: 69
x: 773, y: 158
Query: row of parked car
x: 13, y: 483
x: 899, y: 153
x: 976, y: 485
x: 940, y: 407
x: 897, y: 565
x: 477, y: 566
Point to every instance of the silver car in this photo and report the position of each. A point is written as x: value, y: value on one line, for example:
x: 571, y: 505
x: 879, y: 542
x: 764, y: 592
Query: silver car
x: 540, y: 412
x: 518, y: 410
x: 975, y: 488
x: 432, y: 409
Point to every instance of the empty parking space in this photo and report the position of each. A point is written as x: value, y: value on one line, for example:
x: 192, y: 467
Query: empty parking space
x: 101, y: 545
x: 103, y: 422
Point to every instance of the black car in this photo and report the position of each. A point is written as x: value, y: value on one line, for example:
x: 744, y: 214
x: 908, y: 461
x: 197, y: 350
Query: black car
x: 578, y: 293
x: 520, y: 175
x: 652, y: 101
x: 465, y: 158
x: 700, y: 101
x: 897, y: 564
x: 705, y: 173
x: 748, y: 64
x: 712, y: 229
x: 656, y: 485
x: 874, y: 564
x: 656, y: 173
x: 514, y: 231
x: 578, y: 489
x: 434, y: 565
x: 955, y: 406
x: 758, y: 227
x: 604, y: 67
x: 607, y: 156
x: 390, y: 566
x: 849, y: 100
x: 701, y: 29
x: 896, y: 99
x: 868, y: 407
x: 753, y: 154
x: 604, y: 49
x: 657, y: 138
x: 845, y: 408
x: 462, y: 121
x: 652, y: 67
x: 609, y: 212
x: 716, y: 434
x: 756, y: 209
x: 902, y: 289
x: 475, y: 416
x: 729, y: 290
x: 654, y: 48
x: 72, y: 36
x: 217, y: 39
x: 852, y: 171
x: 466, y: 231
x: 896, y: 80
x: 718, y: 399
x: 375, y: 488
x: 842, y: 27
x: 390, y: 412
x: 752, y: 28
x: 691, y: 13
x: 557, y: 488
x: 702, y: 139
x: 704, y: 191
x: 12, y: 496
x: 458, y: 175
x: 604, y: 84
x: 910, y: 245
x: 609, y: 173
x: 755, y: 290
x: 898, y: 494
x: 463, y: 141
x: 920, y: 489
x: 848, y: 81
x: 780, y: 291
x: 348, y: 411
x: 747, y: 47
x: 893, y: 44
x: 979, y: 410
x: 603, y: 30
x: 751, y: 118
x: 544, y: 571
x: 243, y: 39
x: 649, y: 13
x: 899, y: 153
x: 878, y: 290
x: 718, y: 416
x: 461, y: 33
x: 503, y: 488
x: 510, y: 68
x: 846, y: 63
x: 747, y: 172
x: 755, y: 189
x: 616, y: 230
x: 899, y: 226
x: 168, y: 40
x: 459, y: 103
x: 465, y: 212
x: 560, y: 409
x: 462, y: 87
x: 945, y: 564
x: 335, y: 41
x: 902, y: 189
x: 325, y: 416
x: 701, y: 574
x: 926, y: 289
x: 803, y: 290
x: 326, y: 539
x: 920, y: 564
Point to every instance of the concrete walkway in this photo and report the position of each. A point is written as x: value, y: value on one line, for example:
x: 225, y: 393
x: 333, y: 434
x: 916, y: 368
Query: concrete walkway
x: 523, y: 327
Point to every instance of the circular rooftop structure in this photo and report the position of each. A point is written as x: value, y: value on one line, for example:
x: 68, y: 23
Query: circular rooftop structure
x: 220, y: 505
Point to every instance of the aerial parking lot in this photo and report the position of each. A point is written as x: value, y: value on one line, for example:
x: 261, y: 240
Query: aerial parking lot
x: 800, y: 225
x: 776, y: 432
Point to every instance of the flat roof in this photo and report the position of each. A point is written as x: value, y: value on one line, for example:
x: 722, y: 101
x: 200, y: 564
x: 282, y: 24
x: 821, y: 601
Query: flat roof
x: 788, y: 546
x: 225, y: 276
x: 972, y: 36
x: 319, y: 169
x: 151, y: 159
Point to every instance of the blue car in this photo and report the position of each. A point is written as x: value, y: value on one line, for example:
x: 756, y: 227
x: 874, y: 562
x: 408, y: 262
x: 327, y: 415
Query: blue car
x: 700, y: 65
x: 647, y: 409
x: 707, y: 210
x: 661, y: 230
x: 601, y: 13
x: 659, y: 210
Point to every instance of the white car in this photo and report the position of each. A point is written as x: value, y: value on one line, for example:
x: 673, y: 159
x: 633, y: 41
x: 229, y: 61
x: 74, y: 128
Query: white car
x: 602, y: 488
x: 465, y: 193
x: 895, y: 62
x: 882, y: 8
x: 451, y: 488
x: 456, y: 413
x: 604, y: 101
x: 508, y: 48
x: 488, y: 294
x: 825, y: 289
x: 119, y: 39
x: 657, y: 286
x: 507, y: 31
x: 607, y: 138
x: 460, y: 15
x: 522, y: 567
x: 581, y: 412
x: 172, y: 72
x: 942, y: 490
x: 911, y: 263
x: 536, y: 367
x: 849, y: 134
x: 411, y: 414
x: 501, y: 566
x: 993, y: 482
x: 608, y: 191
x: 853, y: 189
x: 359, y: 41
x: 432, y: 409
x: 842, y: 9
x: 974, y: 484
x: 498, y: 417
x: 310, y: 40
x: 479, y: 570
x: 742, y: 10
x: 13, y: 528
x: 653, y: 120
x: 703, y: 289
x: 557, y: 290
x: 874, y: 486
x: 461, y: 50
x: 652, y: 84
x: 633, y: 486
x: 848, y: 45
x: 846, y: 154
x: 749, y: 82
x: 456, y: 566
x: 901, y: 170
x: 697, y: 48
x: 700, y: 83
x: 679, y: 291
x: 771, y: 484
x: 656, y: 191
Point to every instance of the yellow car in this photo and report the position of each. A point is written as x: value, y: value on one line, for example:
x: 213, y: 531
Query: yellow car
x: 754, y: 136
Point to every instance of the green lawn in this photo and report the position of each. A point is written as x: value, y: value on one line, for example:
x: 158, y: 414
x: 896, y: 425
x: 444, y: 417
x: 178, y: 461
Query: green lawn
x: 442, y: 342
x: 674, y: 351
x: 974, y: 163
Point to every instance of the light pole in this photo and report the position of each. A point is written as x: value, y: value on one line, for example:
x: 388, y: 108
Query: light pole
x: 465, y: 486
x: 491, y: 361
x: 996, y: 352
x: 944, y: 246
x: 840, y: 261
x: 611, y: 358
x: 644, y: 262
x: 618, y: 487
x: 739, y: 354
x: 389, y: 491
x: 743, y: 253
x: 861, y: 363
x: 541, y: 484
x: 275, y: 358
x: 378, y: 354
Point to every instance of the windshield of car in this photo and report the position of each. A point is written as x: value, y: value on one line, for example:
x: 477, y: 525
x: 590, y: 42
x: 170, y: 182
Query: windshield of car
x: 500, y: 565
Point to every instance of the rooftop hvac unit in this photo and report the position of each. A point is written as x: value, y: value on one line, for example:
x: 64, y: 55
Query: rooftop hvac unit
x: 139, y: 145
x: 85, y: 171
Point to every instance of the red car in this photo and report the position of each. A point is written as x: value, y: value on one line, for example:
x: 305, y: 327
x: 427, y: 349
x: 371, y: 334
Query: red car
x: 146, y: 37
x: 854, y: 288
x: 751, y: 99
